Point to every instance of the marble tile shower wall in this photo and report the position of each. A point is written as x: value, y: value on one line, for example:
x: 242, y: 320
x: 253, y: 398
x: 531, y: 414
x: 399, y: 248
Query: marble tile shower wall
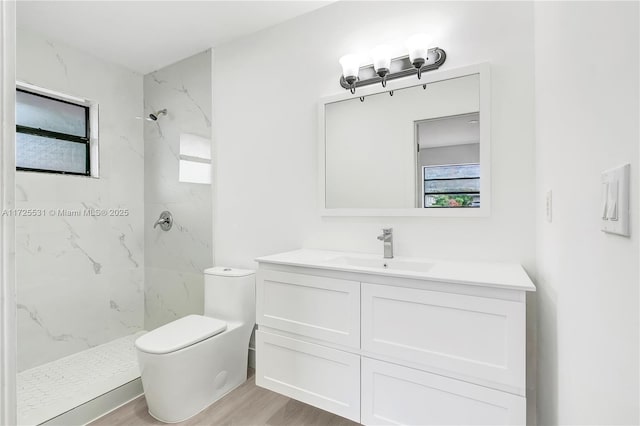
x: 81, y: 279
x: 175, y: 260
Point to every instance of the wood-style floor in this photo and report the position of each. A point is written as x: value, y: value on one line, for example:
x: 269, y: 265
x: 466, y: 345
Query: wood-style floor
x: 247, y: 405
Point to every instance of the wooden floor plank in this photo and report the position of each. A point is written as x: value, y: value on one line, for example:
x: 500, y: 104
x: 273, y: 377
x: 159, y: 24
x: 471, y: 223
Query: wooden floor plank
x: 247, y: 405
x: 296, y: 413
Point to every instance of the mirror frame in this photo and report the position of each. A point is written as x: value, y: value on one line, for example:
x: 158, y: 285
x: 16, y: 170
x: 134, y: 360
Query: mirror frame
x: 483, y: 70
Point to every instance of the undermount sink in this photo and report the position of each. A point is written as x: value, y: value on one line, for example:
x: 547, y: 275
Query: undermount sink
x: 380, y: 263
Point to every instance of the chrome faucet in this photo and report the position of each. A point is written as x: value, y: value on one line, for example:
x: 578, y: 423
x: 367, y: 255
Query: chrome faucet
x: 387, y: 239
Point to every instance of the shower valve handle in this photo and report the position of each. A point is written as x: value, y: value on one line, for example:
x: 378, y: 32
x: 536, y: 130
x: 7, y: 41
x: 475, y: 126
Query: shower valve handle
x: 165, y: 221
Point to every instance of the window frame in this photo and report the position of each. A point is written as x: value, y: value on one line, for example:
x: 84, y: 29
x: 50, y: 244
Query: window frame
x: 90, y: 138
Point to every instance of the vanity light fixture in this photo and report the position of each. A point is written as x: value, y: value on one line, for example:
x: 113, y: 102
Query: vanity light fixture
x: 421, y: 58
x: 350, y: 68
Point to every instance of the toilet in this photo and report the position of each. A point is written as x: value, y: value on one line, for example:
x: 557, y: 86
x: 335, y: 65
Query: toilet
x: 190, y: 363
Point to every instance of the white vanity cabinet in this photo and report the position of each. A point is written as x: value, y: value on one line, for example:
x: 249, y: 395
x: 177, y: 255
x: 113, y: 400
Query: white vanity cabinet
x: 318, y: 375
x: 477, y: 337
x: 319, y: 307
x: 382, y: 346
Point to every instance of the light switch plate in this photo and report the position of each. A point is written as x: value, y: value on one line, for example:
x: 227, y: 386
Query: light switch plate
x: 614, y: 212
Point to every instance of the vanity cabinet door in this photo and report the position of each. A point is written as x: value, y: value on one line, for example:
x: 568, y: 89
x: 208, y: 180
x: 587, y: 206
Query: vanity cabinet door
x: 479, y: 339
x: 323, y: 377
x: 312, y: 306
x: 392, y: 394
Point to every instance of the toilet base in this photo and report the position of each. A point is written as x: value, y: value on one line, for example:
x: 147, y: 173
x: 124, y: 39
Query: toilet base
x: 195, y: 414
x: 181, y: 384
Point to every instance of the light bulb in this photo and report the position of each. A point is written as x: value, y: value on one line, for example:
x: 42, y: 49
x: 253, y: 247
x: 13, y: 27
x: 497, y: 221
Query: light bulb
x: 418, y: 46
x: 350, y: 67
x: 381, y: 59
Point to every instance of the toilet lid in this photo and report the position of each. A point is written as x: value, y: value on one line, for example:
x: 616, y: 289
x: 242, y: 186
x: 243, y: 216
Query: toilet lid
x: 179, y: 334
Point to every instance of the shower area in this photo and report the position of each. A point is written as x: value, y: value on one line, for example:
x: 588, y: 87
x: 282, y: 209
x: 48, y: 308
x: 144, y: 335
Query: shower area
x: 92, y: 271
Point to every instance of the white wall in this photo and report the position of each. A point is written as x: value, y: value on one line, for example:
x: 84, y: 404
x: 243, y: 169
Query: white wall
x: 175, y: 260
x: 8, y: 328
x: 80, y: 279
x: 266, y: 90
x: 266, y: 128
x: 586, y: 121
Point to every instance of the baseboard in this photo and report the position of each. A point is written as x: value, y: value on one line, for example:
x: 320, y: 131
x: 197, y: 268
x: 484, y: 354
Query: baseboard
x: 98, y: 407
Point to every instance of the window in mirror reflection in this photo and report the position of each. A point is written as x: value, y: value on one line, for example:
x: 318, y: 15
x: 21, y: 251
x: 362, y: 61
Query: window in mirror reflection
x: 449, y: 161
x: 452, y: 185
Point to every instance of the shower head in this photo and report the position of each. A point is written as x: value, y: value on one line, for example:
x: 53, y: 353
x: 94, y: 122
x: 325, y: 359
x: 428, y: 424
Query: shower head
x: 155, y: 115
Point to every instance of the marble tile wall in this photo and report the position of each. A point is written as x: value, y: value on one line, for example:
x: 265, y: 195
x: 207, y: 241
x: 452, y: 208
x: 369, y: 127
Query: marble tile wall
x: 175, y: 260
x: 80, y: 280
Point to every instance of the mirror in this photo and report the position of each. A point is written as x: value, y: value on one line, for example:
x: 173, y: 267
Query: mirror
x: 416, y: 152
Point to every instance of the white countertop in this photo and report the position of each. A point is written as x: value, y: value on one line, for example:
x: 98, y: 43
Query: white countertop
x: 492, y: 274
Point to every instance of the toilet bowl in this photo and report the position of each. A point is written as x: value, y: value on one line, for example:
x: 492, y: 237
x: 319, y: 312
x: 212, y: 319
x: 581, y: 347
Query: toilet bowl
x: 188, y: 364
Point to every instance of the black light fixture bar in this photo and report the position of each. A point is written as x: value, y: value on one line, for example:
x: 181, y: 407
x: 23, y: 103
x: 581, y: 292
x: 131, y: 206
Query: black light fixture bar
x: 400, y: 67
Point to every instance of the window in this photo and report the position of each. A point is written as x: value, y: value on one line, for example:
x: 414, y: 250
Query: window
x: 451, y: 185
x: 53, y: 133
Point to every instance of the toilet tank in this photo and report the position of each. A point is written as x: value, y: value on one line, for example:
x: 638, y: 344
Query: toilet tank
x: 230, y: 294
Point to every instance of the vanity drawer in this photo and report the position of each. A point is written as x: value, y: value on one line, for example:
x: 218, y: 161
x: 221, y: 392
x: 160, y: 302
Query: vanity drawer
x: 474, y: 337
x: 318, y: 307
x: 392, y: 394
x: 325, y: 378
